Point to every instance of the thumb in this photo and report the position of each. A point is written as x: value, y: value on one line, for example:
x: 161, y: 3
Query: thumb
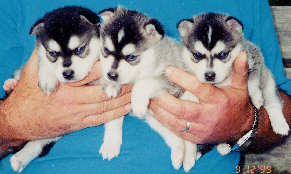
x: 31, y: 66
x: 29, y: 73
x: 240, y: 72
x: 94, y: 74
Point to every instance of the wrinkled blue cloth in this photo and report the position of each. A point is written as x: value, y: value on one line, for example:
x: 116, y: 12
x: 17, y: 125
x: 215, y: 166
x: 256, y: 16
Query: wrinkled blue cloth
x: 143, y: 150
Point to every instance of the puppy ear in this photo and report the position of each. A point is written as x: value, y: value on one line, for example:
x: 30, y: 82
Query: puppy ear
x: 106, y: 14
x: 89, y: 17
x: 185, y: 26
x: 89, y: 21
x: 234, y: 24
x: 37, y: 28
x: 154, y: 29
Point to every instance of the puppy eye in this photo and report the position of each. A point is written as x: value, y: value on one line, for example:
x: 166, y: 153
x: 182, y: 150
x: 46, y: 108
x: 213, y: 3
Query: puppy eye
x: 198, y: 55
x: 130, y: 58
x: 222, y: 55
x: 54, y: 54
x: 106, y: 51
x: 79, y: 50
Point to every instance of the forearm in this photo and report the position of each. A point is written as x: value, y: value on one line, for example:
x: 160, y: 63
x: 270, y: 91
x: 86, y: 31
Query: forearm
x: 266, y: 137
x: 7, y: 134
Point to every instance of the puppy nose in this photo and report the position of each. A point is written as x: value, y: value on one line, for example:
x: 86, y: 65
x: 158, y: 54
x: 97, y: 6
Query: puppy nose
x: 112, y: 76
x: 68, y: 74
x: 210, y: 76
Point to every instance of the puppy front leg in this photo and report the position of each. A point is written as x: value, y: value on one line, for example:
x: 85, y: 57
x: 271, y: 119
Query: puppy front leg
x: 29, y: 152
x: 113, y: 130
x: 142, y: 92
x: 190, y: 155
x: 47, y: 80
x: 190, y: 148
x: 112, y: 139
x: 274, y: 106
x: 175, y: 143
x: 254, y: 90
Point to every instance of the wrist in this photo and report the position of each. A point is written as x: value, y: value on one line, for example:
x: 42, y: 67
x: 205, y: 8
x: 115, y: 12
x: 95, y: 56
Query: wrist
x: 8, y: 136
x: 248, y: 123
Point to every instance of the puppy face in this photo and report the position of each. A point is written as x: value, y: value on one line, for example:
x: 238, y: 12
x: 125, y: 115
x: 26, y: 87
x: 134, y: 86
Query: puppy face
x: 125, y: 36
x: 212, y: 43
x: 68, y: 42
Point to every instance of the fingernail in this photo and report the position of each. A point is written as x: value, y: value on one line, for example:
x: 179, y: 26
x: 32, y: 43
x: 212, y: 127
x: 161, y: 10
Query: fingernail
x: 244, y: 56
x: 169, y: 71
x: 128, y: 107
x: 244, y: 62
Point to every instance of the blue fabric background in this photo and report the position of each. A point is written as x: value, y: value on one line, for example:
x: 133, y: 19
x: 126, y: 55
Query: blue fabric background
x: 143, y: 151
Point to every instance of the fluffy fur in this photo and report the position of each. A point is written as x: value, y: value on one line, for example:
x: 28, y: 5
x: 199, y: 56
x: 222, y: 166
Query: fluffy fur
x: 136, y: 51
x: 67, y: 46
x: 212, y: 43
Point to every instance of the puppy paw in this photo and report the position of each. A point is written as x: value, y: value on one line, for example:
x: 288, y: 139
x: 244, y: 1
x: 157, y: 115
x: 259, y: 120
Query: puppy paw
x: 177, y: 156
x: 109, y: 150
x: 258, y: 103
x: 10, y: 84
x: 189, y: 162
x: 139, y: 111
x: 280, y: 127
x: 139, y: 106
x: 190, y: 156
x: 257, y: 99
x: 223, y: 148
x: 48, y: 86
x: 112, y: 90
x: 17, y: 164
x: 198, y: 155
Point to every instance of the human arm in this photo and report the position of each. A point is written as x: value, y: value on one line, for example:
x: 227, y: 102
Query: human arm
x: 28, y: 114
x: 266, y: 138
x: 222, y: 114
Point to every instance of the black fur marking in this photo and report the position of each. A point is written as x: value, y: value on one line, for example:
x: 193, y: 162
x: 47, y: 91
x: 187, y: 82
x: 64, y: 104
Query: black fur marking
x: 108, y: 9
x: 132, y: 34
x: 37, y: 22
x: 190, y: 20
x: 115, y: 63
x: 157, y: 25
x: 204, y: 148
x: 67, y: 62
x: 46, y: 149
x: 62, y: 23
x: 211, y: 61
x: 218, y: 31
x: 233, y: 18
x: 12, y: 150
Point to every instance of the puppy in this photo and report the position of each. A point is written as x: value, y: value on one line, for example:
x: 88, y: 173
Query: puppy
x: 67, y: 46
x: 135, y: 50
x: 212, y: 42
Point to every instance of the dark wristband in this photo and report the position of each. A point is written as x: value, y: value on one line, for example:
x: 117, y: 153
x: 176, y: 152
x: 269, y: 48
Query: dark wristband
x: 250, y: 136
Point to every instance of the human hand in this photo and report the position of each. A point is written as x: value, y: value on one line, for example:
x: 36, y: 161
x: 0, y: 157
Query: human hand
x: 222, y: 113
x: 30, y: 114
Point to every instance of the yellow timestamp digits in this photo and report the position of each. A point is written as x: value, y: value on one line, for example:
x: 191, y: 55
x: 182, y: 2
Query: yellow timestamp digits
x: 263, y: 169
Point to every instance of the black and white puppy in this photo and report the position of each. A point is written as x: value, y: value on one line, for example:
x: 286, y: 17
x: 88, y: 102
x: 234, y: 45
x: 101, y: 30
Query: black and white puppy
x: 212, y: 42
x: 68, y: 46
x: 136, y: 50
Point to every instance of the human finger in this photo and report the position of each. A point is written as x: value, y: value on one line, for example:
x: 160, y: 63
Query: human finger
x: 30, y: 67
x: 81, y: 95
x: 125, y: 89
x: 190, y: 83
x: 172, y: 122
x: 105, y: 106
x: 240, y: 71
x: 93, y: 75
x: 95, y: 120
x: 182, y: 109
